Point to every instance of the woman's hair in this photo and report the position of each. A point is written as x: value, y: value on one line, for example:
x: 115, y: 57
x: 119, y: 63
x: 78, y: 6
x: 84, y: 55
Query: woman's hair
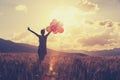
x: 43, y: 31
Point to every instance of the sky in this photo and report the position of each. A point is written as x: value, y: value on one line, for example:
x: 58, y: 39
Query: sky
x: 88, y: 24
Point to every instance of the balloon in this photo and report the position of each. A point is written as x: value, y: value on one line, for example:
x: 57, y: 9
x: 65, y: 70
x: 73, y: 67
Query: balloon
x: 48, y: 29
x: 61, y: 30
x: 54, y: 21
x: 55, y: 26
x: 55, y: 32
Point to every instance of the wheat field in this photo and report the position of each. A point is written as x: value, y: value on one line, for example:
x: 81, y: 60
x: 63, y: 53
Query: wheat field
x: 24, y: 66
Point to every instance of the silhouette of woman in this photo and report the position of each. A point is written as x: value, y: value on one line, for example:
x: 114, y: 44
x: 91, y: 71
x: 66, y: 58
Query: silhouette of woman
x: 42, y: 50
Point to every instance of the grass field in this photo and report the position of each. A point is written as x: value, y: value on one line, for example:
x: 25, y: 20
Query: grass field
x: 66, y: 67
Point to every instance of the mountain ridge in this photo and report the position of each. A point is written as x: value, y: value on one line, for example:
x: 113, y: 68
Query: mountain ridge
x: 7, y: 46
x: 111, y: 52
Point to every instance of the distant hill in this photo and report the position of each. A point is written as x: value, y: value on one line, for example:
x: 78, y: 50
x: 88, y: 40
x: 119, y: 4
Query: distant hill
x: 112, y: 52
x: 7, y: 46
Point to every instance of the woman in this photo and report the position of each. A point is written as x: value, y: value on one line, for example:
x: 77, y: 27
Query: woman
x: 42, y: 50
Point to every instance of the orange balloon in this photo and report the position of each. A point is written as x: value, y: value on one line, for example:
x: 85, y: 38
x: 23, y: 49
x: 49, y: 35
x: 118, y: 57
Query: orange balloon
x: 61, y: 30
x: 48, y: 29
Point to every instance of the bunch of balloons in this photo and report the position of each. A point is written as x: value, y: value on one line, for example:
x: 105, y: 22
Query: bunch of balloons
x: 55, y: 27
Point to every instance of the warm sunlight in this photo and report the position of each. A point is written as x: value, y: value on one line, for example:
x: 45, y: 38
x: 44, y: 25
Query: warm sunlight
x: 66, y: 15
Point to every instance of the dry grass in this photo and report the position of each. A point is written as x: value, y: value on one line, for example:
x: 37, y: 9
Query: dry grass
x: 25, y: 67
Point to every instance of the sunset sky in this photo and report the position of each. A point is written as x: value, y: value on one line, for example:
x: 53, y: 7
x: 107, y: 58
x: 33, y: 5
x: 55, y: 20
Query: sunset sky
x: 88, y: 24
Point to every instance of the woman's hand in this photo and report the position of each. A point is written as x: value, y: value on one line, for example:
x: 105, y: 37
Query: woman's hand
x: 28, y: 28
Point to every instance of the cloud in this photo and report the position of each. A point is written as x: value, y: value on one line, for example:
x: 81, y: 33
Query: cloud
x: 101, y: 37
x: 89, y: 22
x: 119, y: 24
x: 87, y: 6
x: 21, y: 8
x: 18, y: 36
x: 24, y: 37
x: 107, y: 23
x: 101, y: 40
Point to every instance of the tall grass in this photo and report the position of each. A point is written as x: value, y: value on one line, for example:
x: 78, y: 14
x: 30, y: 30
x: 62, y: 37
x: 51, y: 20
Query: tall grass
x: 26, y: 67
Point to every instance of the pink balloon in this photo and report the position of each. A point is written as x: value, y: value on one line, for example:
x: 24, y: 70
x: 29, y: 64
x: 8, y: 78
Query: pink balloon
x: 60, y: 29
x: 54, y: 21
x: 55, y: 32
x: 55, y: 27
x: 48, y: 29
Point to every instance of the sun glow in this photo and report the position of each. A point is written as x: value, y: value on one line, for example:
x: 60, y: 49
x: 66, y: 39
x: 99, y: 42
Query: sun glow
x: 68, y: 16
x: 52, y: 62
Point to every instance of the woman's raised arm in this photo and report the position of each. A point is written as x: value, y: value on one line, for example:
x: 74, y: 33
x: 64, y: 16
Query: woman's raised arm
x: 32, y: 31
